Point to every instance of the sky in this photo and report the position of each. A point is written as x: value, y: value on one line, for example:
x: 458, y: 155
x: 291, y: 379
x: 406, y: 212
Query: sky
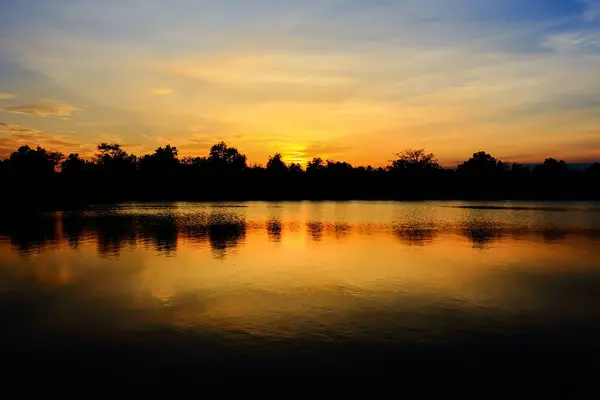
x: 352, y: 80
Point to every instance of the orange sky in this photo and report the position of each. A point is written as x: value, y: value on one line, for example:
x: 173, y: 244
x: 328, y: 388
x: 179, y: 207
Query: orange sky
x: 345, y: 80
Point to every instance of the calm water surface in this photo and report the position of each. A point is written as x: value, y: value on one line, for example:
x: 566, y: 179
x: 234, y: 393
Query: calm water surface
x: 346, y: 291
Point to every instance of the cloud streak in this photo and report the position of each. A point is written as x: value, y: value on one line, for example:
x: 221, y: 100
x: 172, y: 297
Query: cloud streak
x: 46, y: 107
x: 11, y: 128
x: 592, y: 10
x: 10, y: 143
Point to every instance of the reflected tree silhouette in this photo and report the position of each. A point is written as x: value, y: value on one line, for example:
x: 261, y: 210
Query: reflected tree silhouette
x: 221, y: 229
x: 113, y: 233
x: 480, y: 235
x: 73, y: 225
x: 162, y: 232
x: 224, y: 237
x: 224, y: 231
x: 418, y: 227
x: 31, y: 233
x: 315, y: 229
x: 414, y: 235
x: 274, y: 230
x: 341, y: 229
x: 481, y: 228
x: 554, y: 235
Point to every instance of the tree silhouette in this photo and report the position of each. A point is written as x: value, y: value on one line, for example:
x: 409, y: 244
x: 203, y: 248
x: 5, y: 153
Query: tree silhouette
x: 295, y: 169
x: 30, y: 177
x: 114, y: 170
x: 114, y: 160
x: 593, y: 170
x: 27, y: 162
x: 482, y: 164
x: 413, y: 173
x: 164, y: 161
x: 315, y: 166
x: 109, y: 153
x: 276, y: 166
x: 223, y: 156
x: 552, y: 168
x: 414, y: 160
x: 519, y: 170
x: 73, y: 166
x: 483, y: 176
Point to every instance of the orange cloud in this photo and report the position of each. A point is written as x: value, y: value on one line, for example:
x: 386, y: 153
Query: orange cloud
x: 11, y: 143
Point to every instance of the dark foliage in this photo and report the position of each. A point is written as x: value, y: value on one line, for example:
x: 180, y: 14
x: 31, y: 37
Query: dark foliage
x: 37, y: 177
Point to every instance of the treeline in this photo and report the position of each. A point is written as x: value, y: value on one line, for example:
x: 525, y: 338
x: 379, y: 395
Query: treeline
x: 41, y: 177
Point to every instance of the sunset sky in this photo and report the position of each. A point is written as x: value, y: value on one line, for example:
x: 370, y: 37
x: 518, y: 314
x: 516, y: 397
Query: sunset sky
x: 352, y: 80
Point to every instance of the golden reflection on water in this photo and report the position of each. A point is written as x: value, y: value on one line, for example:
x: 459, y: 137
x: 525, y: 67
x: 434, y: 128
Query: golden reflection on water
x: 295, y: 269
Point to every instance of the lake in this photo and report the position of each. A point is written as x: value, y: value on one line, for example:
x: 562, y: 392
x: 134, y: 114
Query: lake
x: 301, y: 291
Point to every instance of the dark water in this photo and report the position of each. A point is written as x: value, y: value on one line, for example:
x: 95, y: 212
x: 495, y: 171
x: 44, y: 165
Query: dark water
x: 334, y: 291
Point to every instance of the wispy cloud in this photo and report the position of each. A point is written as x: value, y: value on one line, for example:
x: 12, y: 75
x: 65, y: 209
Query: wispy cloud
x: 592, y: 10
x: 11, y: 128
x: 6, y: 95
x: 574, y: 42
x: 46, y: 107
x: 11, y: 142
x: 197, y: 143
